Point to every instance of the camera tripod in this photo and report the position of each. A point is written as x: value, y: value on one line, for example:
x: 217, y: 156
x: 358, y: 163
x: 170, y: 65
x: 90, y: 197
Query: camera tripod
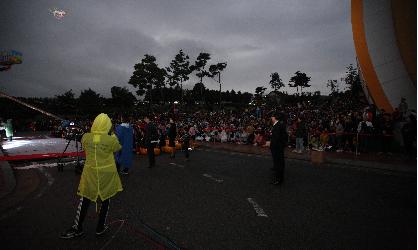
x: 78, y: 168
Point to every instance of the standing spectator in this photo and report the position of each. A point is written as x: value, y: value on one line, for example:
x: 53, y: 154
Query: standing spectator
x: 364, y: 129
x: 185, y: 141
x: 172, y: 134
x: 150, y: 140
x: 403, y: 108
x: 8, y: 126
x: 277, y: 145
x: 163, y: 133
x: 339, y: 130
x: 99, y: 179
x: 300, y: 134
x: 124, y: 132
x: 409, y: 133
x: 386, y: 129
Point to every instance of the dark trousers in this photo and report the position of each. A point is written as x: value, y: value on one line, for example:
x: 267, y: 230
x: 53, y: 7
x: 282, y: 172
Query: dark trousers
x: 278, y: 163
x: 82, y: 212
x: 172, y: 144
x: 186, y: 149
x: 151, y: 156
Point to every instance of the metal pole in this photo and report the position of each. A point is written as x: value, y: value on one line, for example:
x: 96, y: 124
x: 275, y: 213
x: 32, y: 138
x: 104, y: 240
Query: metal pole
x: 2, y: 94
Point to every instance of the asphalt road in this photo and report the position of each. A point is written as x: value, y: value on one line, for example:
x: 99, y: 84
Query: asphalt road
x: 223, y: 200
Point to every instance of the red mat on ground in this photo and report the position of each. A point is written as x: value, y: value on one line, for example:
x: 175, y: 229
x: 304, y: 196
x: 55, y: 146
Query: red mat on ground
x: 41, y: 156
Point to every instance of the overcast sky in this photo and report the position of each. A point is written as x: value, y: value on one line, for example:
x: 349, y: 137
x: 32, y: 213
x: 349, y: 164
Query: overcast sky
x: 97, y: 43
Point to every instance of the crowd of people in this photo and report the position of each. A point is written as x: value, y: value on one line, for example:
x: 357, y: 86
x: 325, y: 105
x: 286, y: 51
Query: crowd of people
x: 339, y: 125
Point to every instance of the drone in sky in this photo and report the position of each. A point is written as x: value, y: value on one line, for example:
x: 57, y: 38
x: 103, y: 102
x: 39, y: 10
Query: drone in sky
x: 58, y: 14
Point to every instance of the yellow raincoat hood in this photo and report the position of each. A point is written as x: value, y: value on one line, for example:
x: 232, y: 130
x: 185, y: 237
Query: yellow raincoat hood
x: 101, y: 124
x: 100, y: 177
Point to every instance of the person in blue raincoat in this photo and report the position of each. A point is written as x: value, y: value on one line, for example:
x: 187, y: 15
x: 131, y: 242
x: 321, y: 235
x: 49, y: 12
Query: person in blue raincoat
x: 124, y: 132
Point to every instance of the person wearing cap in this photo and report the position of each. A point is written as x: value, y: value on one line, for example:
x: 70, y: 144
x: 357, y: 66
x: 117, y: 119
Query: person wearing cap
x: 277, y: 146
x: 99, y: 179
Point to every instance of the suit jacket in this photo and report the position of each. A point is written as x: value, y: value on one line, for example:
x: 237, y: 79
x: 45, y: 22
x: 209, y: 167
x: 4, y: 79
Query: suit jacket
x: 172, y: 132
x: 151, y: 134
x: 278, y: 137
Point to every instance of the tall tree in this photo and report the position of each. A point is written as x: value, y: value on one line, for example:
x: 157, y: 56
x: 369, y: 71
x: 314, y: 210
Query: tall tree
x: 122, y: 99
x: 179, y: 71
x: 197, y: 88
x: 276, y: 82
x: 147, y: 74
x: 333, y: 86
x: 352, y: 79
x: 90, y: 102
x: 66, y: 102
x: 215, y: 70
x: 299, y: 80
x: 200, y: 68
x: 259, y: 92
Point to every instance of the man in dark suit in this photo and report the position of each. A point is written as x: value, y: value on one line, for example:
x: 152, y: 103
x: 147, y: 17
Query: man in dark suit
x: 277, y: 146
x: 150, y: 140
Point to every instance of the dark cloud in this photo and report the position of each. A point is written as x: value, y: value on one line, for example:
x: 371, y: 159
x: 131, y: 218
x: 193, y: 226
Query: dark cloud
x: 98, y: 42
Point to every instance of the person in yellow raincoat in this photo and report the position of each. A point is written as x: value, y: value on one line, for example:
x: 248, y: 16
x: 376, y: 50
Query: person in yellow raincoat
x: 100, y: 179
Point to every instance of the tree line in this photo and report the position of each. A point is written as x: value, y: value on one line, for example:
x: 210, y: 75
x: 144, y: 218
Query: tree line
x: 163, y: 86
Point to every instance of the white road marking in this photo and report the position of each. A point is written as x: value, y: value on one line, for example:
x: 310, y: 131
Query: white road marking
x: 213, y: 178
x: 46, y: 165
x: 257, y: 208
x: 177, y: 165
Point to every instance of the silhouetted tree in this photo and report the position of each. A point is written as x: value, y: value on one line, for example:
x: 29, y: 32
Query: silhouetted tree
x: 299, y: 80
x: 146, y: 76
x: 179, y: 71
x: 352, y: 79
x: 200, y: 67
x: 276, y: 83
x: 122, y: 100
x: 90, y: 102
x: 333, y: 86
x: 215, y: 70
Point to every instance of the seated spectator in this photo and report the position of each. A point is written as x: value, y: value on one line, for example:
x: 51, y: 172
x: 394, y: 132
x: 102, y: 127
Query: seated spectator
x: 244, y: 136
x: 260, y: 139
x: 223, y: 136
x: 324, y: 137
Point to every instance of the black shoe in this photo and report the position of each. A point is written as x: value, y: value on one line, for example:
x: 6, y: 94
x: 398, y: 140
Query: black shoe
x: 125, y: 171
x: 71, y: 233
x: 102, y: 231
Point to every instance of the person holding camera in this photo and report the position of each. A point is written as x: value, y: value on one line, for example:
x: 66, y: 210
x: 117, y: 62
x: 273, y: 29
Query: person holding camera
x: 99, y: 179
